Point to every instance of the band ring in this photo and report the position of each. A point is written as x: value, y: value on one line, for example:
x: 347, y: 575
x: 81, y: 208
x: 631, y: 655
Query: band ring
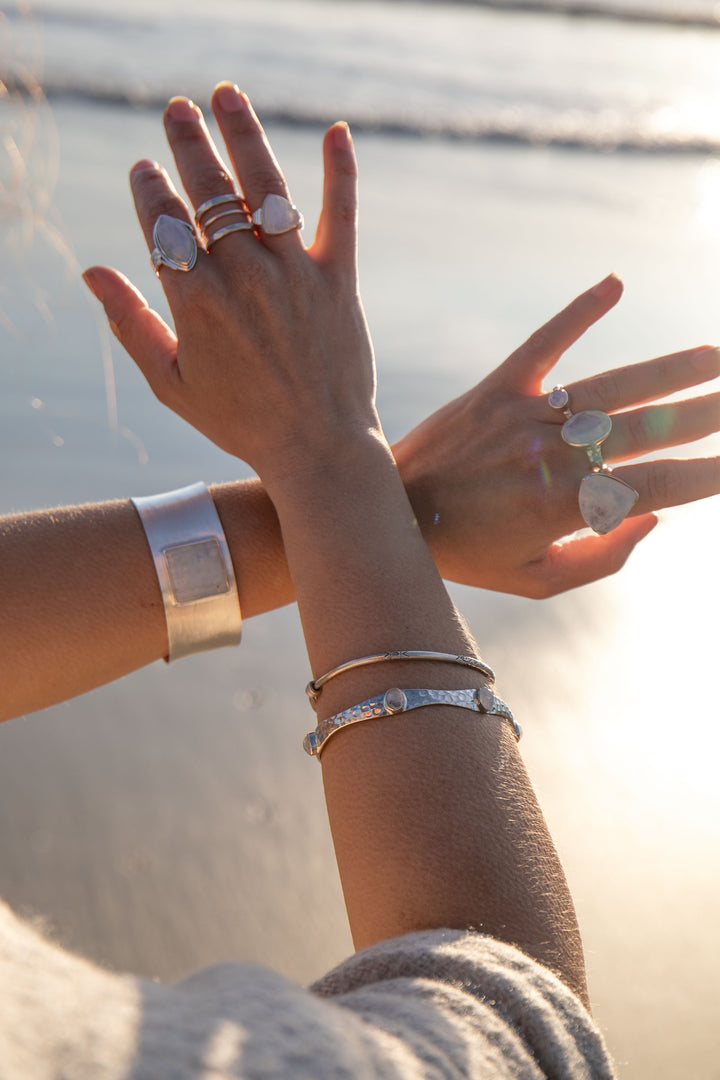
x: 218, y: 200
x: 239, y: 226
x: 223, y: 214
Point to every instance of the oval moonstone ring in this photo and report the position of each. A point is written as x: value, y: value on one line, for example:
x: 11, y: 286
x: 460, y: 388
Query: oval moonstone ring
x: 588, y: 428
x: 175, y: 244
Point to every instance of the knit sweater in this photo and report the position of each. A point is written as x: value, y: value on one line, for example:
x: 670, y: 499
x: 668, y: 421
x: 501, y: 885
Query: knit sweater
x: 440, y: 1004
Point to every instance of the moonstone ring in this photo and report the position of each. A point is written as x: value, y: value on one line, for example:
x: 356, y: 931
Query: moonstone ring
x: 175, y: 244
x: 277, y: 215
x: 604, y: 499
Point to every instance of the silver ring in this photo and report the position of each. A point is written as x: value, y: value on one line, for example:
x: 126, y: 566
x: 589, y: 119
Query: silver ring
x: 223, y: 214
x: 559, y: 399
x: 219, y: 200
x: 604, y: 499
x: 175, y: 244
x: 277, y: 215
x: 239, y: 226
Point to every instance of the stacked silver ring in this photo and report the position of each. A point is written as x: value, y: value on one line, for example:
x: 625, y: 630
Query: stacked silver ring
x: 276, y: 216
x: 234, y: 206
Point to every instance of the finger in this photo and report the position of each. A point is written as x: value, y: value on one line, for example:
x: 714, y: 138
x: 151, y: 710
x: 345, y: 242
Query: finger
x: 336, y: 237
x: 140, y: 330
x: 637, y: 383
x: 655, y: 427
x: 203, y: 172
x: 155, y: 194
x: 582, y: 559
x: 251, y: 156
x: 672, y: 482
x: 526, y: 368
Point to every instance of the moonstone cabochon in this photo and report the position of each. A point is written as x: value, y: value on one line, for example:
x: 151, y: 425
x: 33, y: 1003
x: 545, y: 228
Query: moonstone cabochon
x: 279, y: 216
x: 605, y: 501
x: 175, y: 240
x: 587, y: 428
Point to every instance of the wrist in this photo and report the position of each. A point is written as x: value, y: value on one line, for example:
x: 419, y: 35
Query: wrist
x: 353, y: 460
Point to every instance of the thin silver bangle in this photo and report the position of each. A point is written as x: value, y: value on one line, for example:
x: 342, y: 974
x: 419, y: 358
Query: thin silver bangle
x: 314, y: 687
x: 194, y: 570
x: 395, y: 701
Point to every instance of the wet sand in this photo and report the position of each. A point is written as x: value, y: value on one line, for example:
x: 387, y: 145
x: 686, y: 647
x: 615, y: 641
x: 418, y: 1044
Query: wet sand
x: 172, y: 820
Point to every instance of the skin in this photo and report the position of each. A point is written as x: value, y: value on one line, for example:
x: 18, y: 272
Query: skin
x: 421, y: 806
x: 433, y: 817
x: 475, y: 491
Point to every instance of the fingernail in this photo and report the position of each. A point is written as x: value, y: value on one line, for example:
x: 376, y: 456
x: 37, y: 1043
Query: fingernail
x: 706, y: 359
x: 146, y: 165
x: 89, y: 280
x: 229, y: 97
x: 182, y: 109
x: 342, y: 139
x: 606, y: 286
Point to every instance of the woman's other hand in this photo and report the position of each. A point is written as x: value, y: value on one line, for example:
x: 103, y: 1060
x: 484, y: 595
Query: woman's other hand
x: 495, y: 488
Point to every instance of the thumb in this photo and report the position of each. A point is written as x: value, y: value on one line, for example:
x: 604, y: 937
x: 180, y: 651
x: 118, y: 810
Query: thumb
x: 580, y: 560
x: 140, y: 330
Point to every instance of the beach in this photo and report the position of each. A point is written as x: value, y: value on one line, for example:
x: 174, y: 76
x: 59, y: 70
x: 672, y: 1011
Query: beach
x: 171, y: 820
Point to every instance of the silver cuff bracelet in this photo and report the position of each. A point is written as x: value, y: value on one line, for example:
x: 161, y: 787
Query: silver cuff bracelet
x: 394, y: 701
x: 194, y: 570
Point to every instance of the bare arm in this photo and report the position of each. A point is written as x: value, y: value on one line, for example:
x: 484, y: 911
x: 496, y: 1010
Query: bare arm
x: 81, y: 604
x: 434, y: 819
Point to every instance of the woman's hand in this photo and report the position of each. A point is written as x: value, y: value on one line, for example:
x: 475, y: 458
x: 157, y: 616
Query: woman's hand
x: 270, y: 357
x: 493, y: 485
x: 495, y: 488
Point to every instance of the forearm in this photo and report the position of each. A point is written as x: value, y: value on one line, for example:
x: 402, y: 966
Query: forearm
x: 80, y: 600
x: 433, y: 817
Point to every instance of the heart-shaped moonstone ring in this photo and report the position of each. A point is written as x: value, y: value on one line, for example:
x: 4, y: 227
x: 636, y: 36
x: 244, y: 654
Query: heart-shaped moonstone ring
x: 604, y: 499
x: 277, y: 215
x: 175, y: 244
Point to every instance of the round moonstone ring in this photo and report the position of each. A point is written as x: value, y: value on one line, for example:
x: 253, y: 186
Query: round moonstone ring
x: 175, y: 244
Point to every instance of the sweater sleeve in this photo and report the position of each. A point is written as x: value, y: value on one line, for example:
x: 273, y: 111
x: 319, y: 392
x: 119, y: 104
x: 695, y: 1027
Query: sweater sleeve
x: 471, y: 1007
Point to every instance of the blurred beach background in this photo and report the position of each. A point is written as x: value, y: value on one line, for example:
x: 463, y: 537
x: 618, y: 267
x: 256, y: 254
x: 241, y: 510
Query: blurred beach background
x: 511, y: 155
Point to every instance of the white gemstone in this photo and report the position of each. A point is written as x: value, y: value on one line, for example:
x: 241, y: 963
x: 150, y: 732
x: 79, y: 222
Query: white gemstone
x: 176, y: 241
x: 279, y: 215
x: 587, y: 428
x: 558, y: 397
x: 605, y: 501
x: 485, y: 698
x: 395, y: 700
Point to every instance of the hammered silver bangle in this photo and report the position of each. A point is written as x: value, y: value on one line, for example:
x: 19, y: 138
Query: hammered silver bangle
x: 194, y: 570
x: 314, y: 687
x: 394, y: 701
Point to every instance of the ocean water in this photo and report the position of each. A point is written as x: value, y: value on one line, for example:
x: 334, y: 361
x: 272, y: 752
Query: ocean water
x: 509, y: 158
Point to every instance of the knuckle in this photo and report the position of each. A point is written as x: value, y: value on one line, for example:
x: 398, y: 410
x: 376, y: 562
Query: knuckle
x: 603, y: 390
x: 540, y: 342
x: 637, y: 429
x: 264, y: 178
x: 662, y: 486
x: 346, y: 212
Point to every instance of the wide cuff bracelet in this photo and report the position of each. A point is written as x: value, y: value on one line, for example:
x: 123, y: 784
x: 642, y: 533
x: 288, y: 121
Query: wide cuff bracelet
x: 194, y: 570
x: 394, y: 701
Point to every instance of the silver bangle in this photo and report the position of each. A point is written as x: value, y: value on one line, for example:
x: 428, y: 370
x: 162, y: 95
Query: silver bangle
x: 194, y: 570
x: 314, y: 687
x: 394, y: 701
